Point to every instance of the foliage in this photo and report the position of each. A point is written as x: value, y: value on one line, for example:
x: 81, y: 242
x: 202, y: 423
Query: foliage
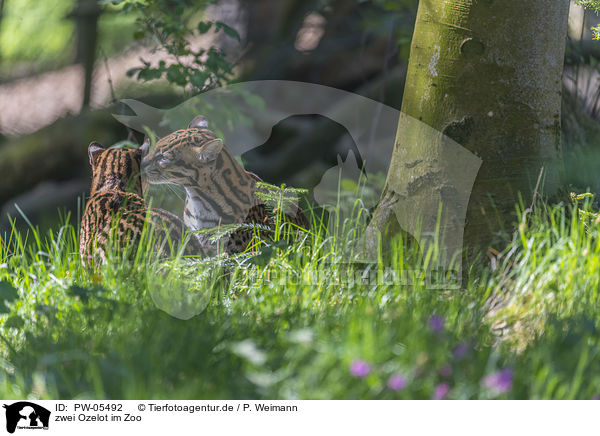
x: 171, y: 24
x: 592, y: 4
x: 595, y: 6
x: 298, y: 321
x: 33, y: 30
x: 39, y: 35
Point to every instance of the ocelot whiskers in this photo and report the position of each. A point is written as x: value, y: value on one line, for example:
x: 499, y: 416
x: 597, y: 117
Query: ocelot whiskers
x: 218, y: 190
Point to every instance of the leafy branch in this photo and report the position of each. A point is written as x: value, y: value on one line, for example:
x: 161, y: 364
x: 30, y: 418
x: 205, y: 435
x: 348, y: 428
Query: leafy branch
x: 595, y: 6
x: 172, y: 24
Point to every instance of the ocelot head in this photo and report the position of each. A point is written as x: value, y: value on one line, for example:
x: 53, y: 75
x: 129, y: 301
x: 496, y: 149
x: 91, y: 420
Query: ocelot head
x: 115, y: 169
x: 185, y: 157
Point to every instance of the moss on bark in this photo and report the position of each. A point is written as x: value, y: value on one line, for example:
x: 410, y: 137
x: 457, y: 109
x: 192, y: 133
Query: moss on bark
x: 487, y: 74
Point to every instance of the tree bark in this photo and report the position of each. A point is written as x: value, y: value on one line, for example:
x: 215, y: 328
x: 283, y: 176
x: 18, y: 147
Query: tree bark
x: 486, y: 74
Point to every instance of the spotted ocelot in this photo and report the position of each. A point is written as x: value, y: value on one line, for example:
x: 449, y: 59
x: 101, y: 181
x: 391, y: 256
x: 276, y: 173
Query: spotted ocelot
x: 115, y: 213
x: 218, y: 190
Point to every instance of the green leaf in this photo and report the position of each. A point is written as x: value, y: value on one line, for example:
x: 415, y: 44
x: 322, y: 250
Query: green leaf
x: 8, y: 292
x: 198, y: 79
x: 176, y: 75
x: 147, y: 74
x: 229, y: 31
x: 131, y: 72
x: 204, y: 26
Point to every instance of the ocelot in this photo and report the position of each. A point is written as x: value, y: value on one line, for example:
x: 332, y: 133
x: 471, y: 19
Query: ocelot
x: 116, y: 208
x: 218, y: 190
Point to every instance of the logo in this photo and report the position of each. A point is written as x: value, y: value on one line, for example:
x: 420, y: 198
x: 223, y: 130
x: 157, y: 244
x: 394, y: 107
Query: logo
x: 429, y: 201
x: 26, y: 415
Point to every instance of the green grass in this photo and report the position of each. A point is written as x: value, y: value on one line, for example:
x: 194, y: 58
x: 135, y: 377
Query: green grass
x: 297, y: 322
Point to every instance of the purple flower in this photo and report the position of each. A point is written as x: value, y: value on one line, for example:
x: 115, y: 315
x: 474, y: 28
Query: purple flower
x: 396, y: 382
x: 460, y: 351
x: 446, y: 371
x: 436, y: 323
x: 360, y: 368
x: 500, y: 381
x: 441, y: 391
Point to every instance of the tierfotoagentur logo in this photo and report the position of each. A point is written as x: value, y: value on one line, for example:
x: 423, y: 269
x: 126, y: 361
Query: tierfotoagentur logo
x: 25, y: 415
x: 430, y: 204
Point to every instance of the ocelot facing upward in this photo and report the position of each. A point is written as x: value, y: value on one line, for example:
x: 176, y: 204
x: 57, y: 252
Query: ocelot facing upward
x: 115, y: 213
x: 218, y: 190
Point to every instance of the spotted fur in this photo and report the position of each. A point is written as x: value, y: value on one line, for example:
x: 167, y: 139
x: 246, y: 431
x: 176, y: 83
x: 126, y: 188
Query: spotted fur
x: 116, y: 208
x: 218, y: 190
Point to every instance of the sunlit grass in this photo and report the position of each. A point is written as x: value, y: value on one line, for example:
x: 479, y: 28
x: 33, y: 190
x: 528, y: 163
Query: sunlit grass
x: 298, y: 320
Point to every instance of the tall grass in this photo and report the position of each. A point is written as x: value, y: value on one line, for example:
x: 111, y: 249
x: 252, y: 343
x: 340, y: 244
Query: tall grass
x: 296, y: 320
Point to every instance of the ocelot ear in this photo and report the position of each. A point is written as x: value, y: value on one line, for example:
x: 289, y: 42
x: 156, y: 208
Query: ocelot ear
x: 95, y: 149
x: 145, y: 147
x: 210, y: 151
x: 199, y: 122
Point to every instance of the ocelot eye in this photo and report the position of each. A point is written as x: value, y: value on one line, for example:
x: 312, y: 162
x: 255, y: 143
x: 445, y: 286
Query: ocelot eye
x: 164, y: 161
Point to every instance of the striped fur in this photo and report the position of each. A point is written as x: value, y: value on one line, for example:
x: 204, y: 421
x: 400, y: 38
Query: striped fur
x: 218, y: 190
x: 116, y: 207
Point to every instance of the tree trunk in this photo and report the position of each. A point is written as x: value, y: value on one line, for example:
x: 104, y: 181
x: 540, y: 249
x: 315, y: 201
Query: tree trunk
x: 86, y: 15
x: 486, y: 74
